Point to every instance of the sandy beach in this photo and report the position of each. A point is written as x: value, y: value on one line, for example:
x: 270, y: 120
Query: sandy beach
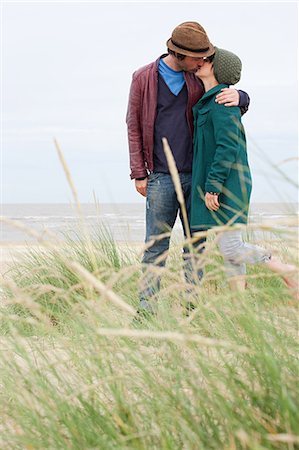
x: 11, y: 252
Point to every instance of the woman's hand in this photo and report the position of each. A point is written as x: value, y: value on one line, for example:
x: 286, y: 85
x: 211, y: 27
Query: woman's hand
x: 212, y: 201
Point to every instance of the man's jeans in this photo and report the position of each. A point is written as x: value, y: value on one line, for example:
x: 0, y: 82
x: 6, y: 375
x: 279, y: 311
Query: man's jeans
x: 162, y: 208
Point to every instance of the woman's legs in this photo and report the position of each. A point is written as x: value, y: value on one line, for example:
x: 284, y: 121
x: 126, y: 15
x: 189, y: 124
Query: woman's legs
x: 237, y: 254
x: 288, y: 272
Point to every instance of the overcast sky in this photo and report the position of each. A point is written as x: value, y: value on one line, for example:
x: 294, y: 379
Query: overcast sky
x: 66, y: 72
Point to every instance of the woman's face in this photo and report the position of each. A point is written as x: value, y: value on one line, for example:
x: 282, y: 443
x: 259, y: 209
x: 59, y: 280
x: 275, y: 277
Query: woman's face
x: 205, y: 71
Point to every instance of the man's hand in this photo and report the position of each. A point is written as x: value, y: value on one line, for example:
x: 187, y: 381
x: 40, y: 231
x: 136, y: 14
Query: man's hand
x: 212, y: 202
x: 141, y: 186
x: 228, y: 97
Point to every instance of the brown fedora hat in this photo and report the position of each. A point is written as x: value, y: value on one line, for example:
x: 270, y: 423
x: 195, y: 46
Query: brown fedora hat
x: 190, y: 39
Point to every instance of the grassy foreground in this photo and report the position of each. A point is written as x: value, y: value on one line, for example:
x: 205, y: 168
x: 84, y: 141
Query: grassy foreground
x: 76, y: 374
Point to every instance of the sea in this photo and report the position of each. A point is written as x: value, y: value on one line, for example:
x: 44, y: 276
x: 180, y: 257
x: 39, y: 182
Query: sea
x: 124, y: 222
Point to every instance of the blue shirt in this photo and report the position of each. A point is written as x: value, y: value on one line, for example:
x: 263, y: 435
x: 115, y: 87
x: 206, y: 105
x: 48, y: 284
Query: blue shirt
x: 174, y: 80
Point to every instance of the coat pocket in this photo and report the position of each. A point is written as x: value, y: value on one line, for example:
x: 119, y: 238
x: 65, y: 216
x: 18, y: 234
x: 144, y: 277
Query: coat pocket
x: 201, y: 118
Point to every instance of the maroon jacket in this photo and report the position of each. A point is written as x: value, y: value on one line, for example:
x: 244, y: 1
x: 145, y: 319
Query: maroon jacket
x: 141, y: 115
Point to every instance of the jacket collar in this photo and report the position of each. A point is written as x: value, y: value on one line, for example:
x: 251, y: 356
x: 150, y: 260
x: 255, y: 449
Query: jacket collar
x: 158, y: 60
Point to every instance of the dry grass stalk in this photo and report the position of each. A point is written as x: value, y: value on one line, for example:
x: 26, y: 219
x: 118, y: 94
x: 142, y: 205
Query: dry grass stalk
x: 77, y: 202
x: 170, y: 336
x: 21, y: 298
x: 31, y: 232
x: 287, y: 438
x: 177, y: 184
x: 102, y: 288
x: 68, y: 175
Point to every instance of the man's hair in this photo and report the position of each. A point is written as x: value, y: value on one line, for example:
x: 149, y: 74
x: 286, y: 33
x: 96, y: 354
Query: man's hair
x: 178, y: 56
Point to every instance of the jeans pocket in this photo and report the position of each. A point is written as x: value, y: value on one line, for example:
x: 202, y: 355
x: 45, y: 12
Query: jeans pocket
x: 153, y: 176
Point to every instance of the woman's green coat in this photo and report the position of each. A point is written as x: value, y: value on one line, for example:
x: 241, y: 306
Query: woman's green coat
x: 219, y: 163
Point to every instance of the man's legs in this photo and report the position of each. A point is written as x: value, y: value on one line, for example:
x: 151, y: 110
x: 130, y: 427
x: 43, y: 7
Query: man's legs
x: 161, y: 211
x: 193, y: 272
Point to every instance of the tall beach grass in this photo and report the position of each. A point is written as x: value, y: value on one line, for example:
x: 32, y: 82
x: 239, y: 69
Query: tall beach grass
x: 76, y: 373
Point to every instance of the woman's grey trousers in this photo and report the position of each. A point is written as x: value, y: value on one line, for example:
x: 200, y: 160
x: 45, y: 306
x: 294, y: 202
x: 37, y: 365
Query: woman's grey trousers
x: 237, y: 253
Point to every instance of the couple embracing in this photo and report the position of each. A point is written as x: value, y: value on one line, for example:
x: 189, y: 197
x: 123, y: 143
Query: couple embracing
x: 185, y: 96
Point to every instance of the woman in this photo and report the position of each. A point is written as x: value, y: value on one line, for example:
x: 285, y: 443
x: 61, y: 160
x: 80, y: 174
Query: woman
x: 221, y: 180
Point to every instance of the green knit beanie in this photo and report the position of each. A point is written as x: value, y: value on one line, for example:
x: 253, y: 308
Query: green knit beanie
x: 227, y: 66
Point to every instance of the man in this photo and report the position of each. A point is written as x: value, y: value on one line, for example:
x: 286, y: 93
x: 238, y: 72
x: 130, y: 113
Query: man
x: 160, y: 105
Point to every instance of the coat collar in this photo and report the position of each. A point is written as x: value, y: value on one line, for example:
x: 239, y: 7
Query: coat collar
x: 212, y: 92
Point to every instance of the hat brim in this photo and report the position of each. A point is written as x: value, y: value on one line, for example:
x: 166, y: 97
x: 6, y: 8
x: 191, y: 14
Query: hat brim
x: 191, y: 53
